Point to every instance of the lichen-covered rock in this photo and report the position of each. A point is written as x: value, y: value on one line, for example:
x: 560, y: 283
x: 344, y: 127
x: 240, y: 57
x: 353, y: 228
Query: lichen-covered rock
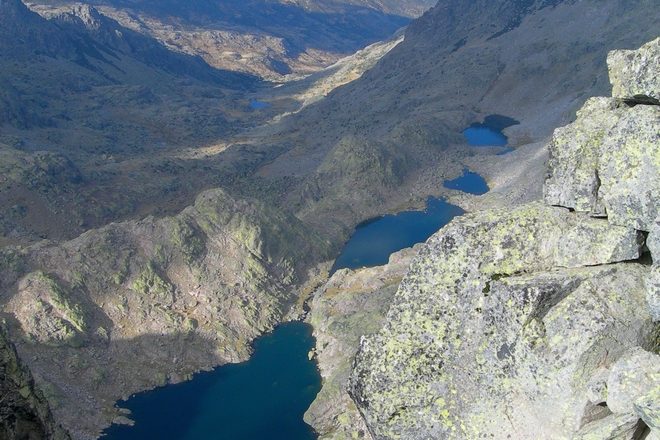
x: 629, y: 168
x: 653, y: 242
x: 608, y: 163
x: 350, y: 305
x: 597, y: 386
x: 635, y: 73
x: 612, y: 427
x: 574, y: 156
x: 634, y: 375
x: 520, y: 323
x: 653, y: 292
x: 483, y: 294
x: 648, y: 408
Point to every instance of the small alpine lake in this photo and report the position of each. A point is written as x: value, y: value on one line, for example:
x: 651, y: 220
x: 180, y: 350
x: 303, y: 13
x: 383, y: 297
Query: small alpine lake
x: 469, y: 182
x: 263, y: 398
x: 255, y: 104
x: 489, y: 133
x: 375, y: 240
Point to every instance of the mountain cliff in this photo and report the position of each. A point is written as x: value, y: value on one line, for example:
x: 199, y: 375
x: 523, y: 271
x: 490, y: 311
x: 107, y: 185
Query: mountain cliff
x: 538, y: 321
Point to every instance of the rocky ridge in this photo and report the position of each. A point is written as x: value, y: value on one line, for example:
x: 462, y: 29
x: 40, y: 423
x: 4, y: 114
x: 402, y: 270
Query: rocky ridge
x: 541, y: 321
x: 139, y: 304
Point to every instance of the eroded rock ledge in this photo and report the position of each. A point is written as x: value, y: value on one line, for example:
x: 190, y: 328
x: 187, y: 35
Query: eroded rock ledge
x: 534, y: 322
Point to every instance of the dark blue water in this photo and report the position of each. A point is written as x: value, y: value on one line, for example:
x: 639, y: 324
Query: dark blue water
x: 489, y: 133
x: 469, y: 182
x: 258, y: 105
x: 263, y: 398
x: 484, y: 136
x: 374, y: 241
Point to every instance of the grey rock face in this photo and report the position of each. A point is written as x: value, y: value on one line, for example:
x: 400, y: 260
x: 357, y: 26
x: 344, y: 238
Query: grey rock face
x: 634, y: 375
x: 574, y: 156
x: 597, y: 386
x: 648, y: 408
x: 532, y: 322
x: 352, y: 304
x: 636, y: 72
x: 607, y: 163
x: 613, y: 427
x: 653, y: 292
x: 484, y: 294
x: 629, y: 168
x: 653, y: 242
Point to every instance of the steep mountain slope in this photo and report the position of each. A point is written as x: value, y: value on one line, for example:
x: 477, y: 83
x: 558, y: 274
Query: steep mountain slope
x: 268, y: 38
x: 99, y: 97
x: 399, y: 125
x: 143, y: 129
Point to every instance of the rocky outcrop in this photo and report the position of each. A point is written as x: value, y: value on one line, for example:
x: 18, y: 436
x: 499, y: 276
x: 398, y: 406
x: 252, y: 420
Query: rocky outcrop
x: 139, y: 304
x: 354, y: 302
x: 350, y: 305
x: 533, y: 322
x: 24, y: 412
x: 634, y: 73
x: 633, y: 376
x: 589, y: 158
x: 607, y: 163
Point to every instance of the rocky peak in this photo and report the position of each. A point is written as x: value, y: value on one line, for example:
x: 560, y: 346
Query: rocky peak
x: 82, y: 14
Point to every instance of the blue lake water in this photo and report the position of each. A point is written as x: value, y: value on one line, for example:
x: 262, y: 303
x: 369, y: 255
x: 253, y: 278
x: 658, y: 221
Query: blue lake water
x: 484, y: 136
x: 489, y: 132
x: 263, y: 398
x: 258, y: 105
x: 469, y: 182
x: 374, y: 241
